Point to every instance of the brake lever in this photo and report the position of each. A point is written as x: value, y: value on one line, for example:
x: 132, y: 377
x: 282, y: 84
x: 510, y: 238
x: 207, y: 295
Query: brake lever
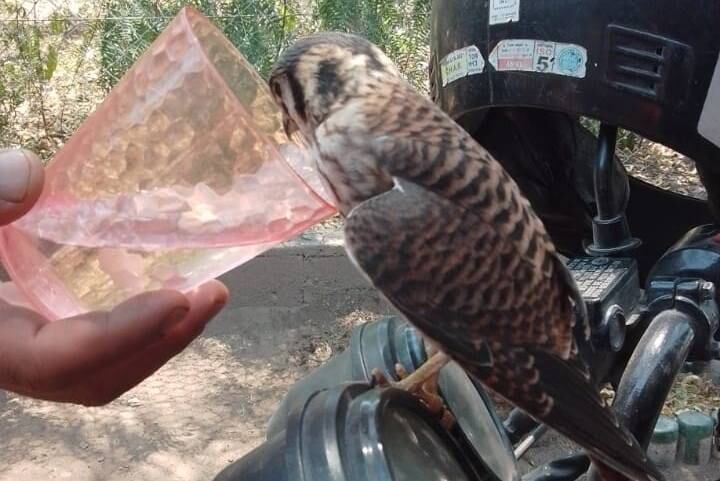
x: 564, y: 469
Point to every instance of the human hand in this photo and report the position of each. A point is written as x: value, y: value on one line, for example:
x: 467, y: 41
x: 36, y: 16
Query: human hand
x: 94, y: 358
x: 21, y: 183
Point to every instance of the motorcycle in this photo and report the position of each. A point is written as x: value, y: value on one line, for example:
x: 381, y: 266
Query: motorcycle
x: 521, y: 77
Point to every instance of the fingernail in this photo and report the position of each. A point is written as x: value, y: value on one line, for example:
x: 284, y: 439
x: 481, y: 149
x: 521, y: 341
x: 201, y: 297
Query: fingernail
x: 14, y: 175
x: 220, y: 301
x: 177, y: 315
x: 218, y: 305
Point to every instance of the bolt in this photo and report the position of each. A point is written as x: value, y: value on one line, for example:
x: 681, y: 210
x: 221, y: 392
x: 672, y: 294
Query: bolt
x: 715, y: 351
x: 707, y: 290
x: 615, y: 327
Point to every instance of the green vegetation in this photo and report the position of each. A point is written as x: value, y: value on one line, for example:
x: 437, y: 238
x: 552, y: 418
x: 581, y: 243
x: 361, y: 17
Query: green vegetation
x: 261, y: 28
x: 56, y: 65
x: 59, y: 59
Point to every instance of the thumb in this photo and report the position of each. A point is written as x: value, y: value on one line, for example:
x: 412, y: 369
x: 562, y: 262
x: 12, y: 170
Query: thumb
x: 21, y: 182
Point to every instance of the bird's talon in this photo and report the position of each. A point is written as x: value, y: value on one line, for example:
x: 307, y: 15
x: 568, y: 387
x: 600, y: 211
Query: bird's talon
x: 378, y: 378
x: 448, y: 419
x: 400, y: 371
x: 432, y: 400
x: 422, y: 384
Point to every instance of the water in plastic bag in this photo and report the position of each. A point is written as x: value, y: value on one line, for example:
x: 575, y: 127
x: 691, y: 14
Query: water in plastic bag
x: 182, y: 174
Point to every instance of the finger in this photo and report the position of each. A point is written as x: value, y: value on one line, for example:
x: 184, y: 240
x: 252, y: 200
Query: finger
x: 206, y: 301
x: 21, y: 182
x: 18, y: 327
x: 10, y: 294
x: 107, y: 384
x: 69, y: 349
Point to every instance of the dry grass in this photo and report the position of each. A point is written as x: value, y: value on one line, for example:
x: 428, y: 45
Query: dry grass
x: 689, y: 391
x: 661, y: 166
x: 692, y: 392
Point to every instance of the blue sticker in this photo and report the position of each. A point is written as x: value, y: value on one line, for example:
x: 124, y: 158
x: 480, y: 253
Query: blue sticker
x: 570, y: 60
x: 540, y: 56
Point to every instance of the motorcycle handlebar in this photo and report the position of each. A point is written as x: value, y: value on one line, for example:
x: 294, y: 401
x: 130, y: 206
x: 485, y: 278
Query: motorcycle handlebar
x: 642, y: 391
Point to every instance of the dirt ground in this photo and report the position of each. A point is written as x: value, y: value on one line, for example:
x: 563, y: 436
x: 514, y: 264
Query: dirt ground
x: 204, y: 409
x: 207, y: 407
x: 199, y: 412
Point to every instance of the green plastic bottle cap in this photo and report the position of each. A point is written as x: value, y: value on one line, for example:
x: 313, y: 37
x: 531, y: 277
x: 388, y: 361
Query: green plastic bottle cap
x: 666, y: 430
x: 695, y: 425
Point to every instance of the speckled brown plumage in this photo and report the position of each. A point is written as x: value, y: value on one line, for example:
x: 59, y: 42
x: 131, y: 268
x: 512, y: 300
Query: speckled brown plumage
x: 439, y: 227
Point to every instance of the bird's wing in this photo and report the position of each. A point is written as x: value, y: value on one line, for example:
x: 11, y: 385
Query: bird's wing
x: 465, y: 287
x: 410, y: 139
x: 415, y: 140
x: 451, y: 260
x: 446, y: 160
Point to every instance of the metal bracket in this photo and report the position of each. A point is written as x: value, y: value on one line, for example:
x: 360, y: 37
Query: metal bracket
x: 695, y: 297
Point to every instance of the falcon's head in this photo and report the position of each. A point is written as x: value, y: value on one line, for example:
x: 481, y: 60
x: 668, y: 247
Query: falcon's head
x: 322, y: 72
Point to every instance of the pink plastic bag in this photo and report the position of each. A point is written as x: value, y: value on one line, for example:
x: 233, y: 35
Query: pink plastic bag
x: 10, y: 293
x: 182, y: 174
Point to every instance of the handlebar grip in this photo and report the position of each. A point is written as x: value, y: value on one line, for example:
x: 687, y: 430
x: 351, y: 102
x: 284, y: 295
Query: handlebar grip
x: 650, y: 373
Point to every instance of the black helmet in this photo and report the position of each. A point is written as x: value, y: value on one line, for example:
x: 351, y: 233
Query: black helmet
x: 643, y: 65
x: 519, y: 74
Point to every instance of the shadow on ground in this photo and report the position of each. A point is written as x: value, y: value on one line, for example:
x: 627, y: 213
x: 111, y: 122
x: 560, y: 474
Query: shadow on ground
x: 290, y: 311
x: 202, y: 410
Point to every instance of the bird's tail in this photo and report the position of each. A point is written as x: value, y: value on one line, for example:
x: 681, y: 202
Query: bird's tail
x: 606, y: 473
x: 555, y: 393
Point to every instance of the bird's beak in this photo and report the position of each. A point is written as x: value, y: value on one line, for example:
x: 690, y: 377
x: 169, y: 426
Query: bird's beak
x: 290, y: 126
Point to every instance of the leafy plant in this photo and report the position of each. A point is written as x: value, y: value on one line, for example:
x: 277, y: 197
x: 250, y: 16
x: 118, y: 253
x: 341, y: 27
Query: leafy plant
x: 28, y: 61
x: 261, y: 28
x: 258, y: 28
x: 130, y: 26
x: 401, y: 29
x: 54, y: 69
x: 627, y: 142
